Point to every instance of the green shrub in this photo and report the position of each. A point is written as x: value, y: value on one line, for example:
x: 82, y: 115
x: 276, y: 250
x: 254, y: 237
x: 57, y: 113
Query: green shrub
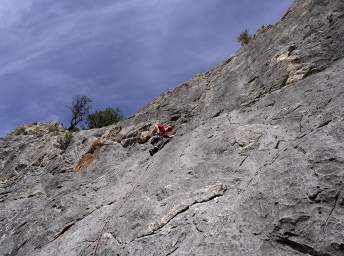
x: 65, y: 141
x: 244, y: 37
x: 103, y: 118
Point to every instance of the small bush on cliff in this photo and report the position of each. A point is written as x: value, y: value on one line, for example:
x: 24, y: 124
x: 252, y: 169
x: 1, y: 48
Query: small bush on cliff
x: 103, y: 118
x: 65, y: 141
x: 244, y: 37
x: 80, y: 107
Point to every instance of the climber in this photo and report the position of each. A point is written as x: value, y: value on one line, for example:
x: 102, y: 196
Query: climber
x: 161, y: 138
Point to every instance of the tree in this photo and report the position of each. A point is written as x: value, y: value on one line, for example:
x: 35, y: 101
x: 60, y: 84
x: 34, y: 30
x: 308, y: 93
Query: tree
x: 104, y: 117
x: 80, y: 107
x: 244, y: 37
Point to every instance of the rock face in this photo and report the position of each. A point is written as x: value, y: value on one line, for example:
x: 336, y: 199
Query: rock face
x: 256, y: 167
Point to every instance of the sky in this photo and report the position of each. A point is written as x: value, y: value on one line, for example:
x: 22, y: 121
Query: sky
x: 119, y: 53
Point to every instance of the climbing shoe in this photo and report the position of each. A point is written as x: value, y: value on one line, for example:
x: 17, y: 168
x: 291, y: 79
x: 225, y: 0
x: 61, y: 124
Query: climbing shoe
x: 153, y: 151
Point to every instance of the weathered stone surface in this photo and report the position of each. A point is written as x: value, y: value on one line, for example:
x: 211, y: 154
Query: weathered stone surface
x: 256, y: 166
x: 38, y: 129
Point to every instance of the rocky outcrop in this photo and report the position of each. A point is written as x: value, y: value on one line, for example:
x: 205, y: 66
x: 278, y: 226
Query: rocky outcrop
x: 255, y: 168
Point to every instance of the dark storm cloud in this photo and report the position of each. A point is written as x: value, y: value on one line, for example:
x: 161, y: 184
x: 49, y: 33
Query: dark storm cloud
x: 120, y: 53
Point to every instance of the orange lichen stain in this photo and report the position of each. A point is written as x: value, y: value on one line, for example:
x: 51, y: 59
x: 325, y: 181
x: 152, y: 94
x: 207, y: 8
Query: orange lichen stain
x: 87, y: 158
x: 84, y: 162
x: 94, y: 146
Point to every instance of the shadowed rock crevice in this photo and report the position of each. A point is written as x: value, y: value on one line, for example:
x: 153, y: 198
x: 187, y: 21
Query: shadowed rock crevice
x: 64, y: 230
x: 202, y: 196
x: 301, y: 247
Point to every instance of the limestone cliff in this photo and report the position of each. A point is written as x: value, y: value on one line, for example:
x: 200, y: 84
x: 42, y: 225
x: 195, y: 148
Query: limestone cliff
x: 256, y: 167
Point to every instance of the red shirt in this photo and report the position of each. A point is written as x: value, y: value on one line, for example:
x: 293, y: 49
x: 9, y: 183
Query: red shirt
x: 164, y: 131
x: 161, y: 128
